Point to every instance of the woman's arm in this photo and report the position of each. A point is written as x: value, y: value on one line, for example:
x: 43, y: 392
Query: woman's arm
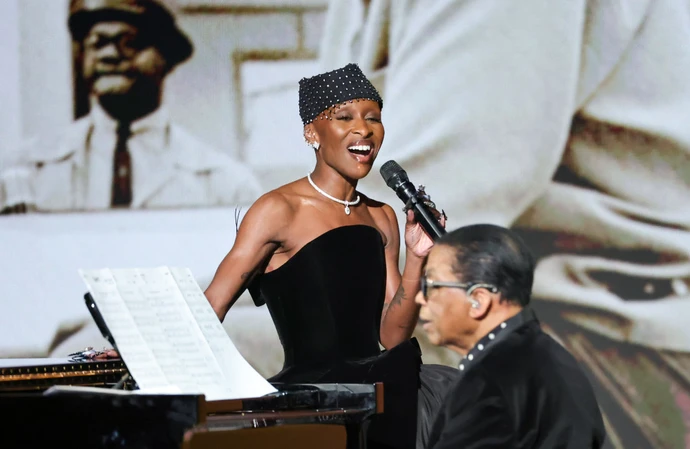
x: 260, y: 234
x: 400, y: 313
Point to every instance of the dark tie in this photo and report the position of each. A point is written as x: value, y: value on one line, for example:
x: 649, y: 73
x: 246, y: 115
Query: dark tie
x: 122, y: 169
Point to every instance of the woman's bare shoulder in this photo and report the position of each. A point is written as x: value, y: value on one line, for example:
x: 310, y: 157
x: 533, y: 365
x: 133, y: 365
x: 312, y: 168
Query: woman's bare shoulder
x: 272, y: 209
x: 377, y: 207
x: 277, y: 206
x: 383, y: 214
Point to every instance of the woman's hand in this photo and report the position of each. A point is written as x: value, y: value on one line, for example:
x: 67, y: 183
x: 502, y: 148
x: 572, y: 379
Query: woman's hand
x: 417, y: 240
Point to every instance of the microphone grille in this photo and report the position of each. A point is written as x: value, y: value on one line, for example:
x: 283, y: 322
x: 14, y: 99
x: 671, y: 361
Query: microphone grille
x: 392, y: 173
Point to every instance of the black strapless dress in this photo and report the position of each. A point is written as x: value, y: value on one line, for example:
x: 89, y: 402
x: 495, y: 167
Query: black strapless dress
x: 326, y: 304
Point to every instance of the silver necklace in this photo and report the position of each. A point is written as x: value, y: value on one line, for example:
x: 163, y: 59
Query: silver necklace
x: 347, y: 204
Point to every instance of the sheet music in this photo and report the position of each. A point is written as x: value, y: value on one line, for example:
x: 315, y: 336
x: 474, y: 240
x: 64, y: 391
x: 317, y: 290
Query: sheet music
x: 168, y: 335
x: 236, y: 370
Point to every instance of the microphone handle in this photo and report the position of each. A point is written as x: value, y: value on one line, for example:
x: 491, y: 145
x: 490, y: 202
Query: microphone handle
x: 427, y: 220
x: 423, y: 215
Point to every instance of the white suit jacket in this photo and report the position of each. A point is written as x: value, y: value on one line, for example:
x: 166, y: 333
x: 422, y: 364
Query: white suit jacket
x: 484, y: 100
x: 170, y: 168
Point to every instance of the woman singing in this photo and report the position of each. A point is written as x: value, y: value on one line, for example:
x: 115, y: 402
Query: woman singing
x: 324, y: 258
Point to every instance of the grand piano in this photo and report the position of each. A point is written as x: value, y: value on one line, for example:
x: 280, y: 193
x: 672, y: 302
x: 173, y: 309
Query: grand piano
x: 42, y: 409
x: 86, y: 403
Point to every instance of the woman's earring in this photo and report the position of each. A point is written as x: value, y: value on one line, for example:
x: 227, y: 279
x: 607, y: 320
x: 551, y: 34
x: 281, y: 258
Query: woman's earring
x: 316, y: 146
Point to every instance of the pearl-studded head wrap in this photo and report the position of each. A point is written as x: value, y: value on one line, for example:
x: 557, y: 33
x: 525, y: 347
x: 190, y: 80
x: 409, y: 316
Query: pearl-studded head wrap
x: 323, y: 91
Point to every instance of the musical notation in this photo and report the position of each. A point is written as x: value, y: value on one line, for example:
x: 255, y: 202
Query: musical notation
x: 168, y: 335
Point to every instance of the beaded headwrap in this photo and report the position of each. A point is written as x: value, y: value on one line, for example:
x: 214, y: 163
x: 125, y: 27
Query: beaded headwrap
x: 320, y: 92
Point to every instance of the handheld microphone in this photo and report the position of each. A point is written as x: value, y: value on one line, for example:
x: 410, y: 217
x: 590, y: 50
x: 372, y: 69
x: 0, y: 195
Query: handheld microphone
x: 396, y: 178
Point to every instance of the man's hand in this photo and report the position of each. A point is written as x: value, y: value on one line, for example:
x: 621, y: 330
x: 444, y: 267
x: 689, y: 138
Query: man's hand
x: 91, y: 354
x: 107, y: 354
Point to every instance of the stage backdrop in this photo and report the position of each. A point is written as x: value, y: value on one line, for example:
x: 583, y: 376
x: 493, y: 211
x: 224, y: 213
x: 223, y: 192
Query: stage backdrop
x: 567, y: 121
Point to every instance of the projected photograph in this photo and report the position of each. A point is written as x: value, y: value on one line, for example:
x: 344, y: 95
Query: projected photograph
x: 142, y: 142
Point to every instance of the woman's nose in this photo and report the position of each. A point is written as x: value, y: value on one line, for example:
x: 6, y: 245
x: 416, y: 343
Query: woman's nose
x: 362, y: 128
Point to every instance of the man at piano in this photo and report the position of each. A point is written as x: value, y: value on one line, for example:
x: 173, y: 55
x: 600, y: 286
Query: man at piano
x: 518, y: 387
x: 126, y: 152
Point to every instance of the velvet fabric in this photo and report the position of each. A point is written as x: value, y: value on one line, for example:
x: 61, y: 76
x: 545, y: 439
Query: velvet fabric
x: 326, y: 304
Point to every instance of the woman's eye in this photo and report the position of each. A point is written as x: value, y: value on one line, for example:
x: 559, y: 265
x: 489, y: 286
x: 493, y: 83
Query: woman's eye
x: 343, y: 117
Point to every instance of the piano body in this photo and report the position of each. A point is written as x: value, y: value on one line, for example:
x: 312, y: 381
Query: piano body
x: 42, y: 411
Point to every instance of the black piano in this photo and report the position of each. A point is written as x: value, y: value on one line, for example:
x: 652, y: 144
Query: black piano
x: 41, y: 410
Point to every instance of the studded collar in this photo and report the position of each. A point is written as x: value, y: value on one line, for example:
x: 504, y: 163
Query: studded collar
x: 497, y: 334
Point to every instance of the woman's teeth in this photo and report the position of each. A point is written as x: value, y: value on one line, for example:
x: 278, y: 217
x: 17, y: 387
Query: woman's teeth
x: 360, y: 149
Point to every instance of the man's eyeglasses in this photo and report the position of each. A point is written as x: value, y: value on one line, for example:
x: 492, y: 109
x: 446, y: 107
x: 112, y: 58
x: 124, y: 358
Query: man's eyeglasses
x: 427, y: 285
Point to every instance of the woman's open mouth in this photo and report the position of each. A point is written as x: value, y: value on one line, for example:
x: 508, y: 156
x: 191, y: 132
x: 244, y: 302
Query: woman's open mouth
x: 361, y: 151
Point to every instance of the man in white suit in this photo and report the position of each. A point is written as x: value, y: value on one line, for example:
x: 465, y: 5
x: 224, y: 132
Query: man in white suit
x: 126, y: 153
x: 567, y: 120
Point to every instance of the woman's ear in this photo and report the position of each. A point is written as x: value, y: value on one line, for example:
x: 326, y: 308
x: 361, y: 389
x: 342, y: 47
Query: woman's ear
x: 310, y: 136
